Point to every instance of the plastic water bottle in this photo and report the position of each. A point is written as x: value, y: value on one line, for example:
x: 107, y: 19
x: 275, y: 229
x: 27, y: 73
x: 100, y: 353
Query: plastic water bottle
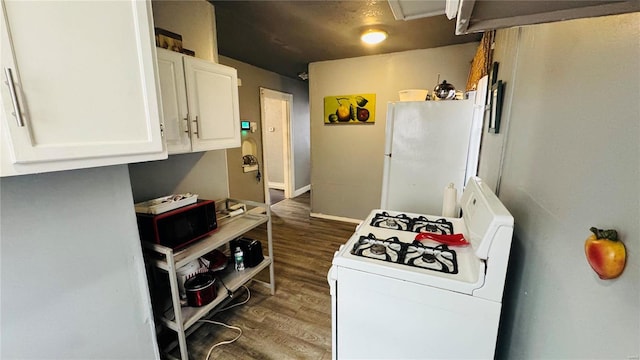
x: 239, y: 257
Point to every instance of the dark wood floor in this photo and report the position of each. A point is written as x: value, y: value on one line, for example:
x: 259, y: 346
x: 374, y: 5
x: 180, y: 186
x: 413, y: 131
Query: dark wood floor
x: 295, y: 323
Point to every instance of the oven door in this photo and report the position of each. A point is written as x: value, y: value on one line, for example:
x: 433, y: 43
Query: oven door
x: 385, y: 318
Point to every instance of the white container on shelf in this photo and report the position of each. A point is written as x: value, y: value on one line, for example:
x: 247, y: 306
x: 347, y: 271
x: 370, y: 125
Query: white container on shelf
x: 413, y: 95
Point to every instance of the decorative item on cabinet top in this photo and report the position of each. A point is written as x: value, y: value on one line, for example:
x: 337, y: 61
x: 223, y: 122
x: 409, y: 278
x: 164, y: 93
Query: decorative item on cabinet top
x: 171, y: 41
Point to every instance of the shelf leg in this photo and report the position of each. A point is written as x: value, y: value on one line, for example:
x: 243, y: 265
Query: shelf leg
x: 272, y: 281
x: 177, y: 310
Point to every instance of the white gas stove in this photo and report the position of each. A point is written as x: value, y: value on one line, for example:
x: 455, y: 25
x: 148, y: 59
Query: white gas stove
x: 423, y: 296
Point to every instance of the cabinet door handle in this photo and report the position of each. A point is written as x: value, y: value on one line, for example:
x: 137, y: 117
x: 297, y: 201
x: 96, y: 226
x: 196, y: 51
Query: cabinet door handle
x: 197, y: 126
x: 14, y: 98
x: 186, y: 126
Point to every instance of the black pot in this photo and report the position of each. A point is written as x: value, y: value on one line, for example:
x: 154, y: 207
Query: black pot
x: 201, y: 289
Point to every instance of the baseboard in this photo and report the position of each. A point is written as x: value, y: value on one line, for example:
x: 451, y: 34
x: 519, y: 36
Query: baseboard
x: 336, y: 218
x: 275, y: 185
x: 302, y: 190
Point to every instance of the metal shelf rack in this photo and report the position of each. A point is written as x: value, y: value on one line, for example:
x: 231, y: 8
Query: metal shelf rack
x: 229, y: 228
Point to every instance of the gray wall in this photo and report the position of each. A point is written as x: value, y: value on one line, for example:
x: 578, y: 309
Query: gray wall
x: 72, y: 276
x: 346, y: 177
x: 571, y: 161
x: 244, y: 185
x: 202, y: 173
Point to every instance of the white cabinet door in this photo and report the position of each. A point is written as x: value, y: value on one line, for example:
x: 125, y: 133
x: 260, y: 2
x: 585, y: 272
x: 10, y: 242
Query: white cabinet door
x: 174, y: 101
x: 213, y: 105
x: 85, y: 82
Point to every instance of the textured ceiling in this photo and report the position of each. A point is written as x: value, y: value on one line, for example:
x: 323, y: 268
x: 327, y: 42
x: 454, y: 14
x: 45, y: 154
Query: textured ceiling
x: 285, y: 36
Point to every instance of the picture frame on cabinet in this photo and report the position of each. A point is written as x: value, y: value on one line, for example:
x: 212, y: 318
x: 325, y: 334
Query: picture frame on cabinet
x: 495, y: 105
x: 168, y: 40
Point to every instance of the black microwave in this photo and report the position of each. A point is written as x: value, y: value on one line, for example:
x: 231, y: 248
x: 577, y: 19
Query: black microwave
x: 179, y: 227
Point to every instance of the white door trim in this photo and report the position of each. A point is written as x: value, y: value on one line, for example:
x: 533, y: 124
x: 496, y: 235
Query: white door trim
x: 287, y: 133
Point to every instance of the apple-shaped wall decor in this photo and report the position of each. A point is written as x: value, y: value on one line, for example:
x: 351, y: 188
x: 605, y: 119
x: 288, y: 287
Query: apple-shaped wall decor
x: 605, y: 253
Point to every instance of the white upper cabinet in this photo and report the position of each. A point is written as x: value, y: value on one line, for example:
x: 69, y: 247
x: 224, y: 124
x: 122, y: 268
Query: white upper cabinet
x: 174, y: 101
x: 79, y: 85
x: 200, y: 103
x: 213, y: 104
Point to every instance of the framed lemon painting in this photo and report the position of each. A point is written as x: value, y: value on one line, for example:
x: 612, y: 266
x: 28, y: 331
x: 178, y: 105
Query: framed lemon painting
x: 350, y: 109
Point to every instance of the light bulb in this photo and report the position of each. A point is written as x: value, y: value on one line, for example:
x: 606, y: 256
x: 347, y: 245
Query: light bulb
x: 374, y: 36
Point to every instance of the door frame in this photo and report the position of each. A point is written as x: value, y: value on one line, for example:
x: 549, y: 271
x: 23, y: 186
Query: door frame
x: 287, y: 149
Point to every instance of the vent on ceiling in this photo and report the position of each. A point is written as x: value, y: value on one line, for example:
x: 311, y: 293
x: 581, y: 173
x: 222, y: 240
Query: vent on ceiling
x: 412, y: 9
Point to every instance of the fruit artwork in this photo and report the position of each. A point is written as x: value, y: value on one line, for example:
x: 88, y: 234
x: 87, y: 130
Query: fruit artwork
x: 605, y: 253
x: 349, y: 109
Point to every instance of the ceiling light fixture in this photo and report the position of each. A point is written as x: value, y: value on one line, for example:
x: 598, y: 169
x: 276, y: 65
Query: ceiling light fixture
x: 373, y: 37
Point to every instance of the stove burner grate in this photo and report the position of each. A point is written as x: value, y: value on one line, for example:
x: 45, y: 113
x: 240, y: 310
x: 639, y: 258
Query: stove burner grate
x: 406, y: 223
x: 439, y: 226
x: 437, y: 258
x: 386, y: 221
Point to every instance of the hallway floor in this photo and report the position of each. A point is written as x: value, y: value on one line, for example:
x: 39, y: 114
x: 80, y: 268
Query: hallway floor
x: 276, y: 195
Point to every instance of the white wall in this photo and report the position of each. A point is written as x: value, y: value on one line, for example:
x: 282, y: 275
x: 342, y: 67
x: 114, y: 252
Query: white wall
x: 571, y: 161
x: 346, y: 176
x: 72, y: 276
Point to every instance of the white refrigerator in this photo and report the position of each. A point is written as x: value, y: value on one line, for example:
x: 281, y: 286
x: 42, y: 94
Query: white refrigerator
x: 429, y: 144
